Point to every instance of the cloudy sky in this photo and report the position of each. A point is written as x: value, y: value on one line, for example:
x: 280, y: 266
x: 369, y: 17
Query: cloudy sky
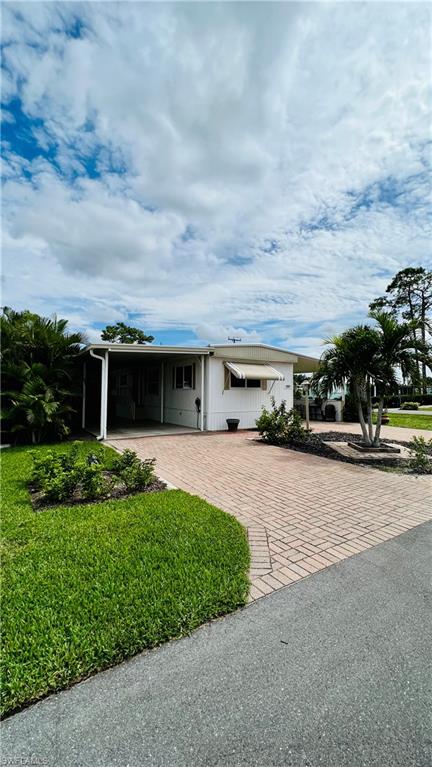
x: 209, y: 169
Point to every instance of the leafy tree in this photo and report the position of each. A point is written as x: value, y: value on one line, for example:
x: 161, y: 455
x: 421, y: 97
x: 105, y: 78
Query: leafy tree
x: 38, y: 365
x: 125, y: 334
x: 367, y: 356
x: 409, y: 296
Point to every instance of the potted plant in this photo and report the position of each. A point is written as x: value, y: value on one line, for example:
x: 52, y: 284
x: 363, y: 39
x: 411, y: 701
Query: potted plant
x: 232, y: 423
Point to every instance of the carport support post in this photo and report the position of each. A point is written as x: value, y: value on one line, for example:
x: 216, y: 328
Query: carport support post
x: 104, y: 396
x: 104, y: 391
x: 162, y: 385
x: 202, y: 394
x: 83, y: 411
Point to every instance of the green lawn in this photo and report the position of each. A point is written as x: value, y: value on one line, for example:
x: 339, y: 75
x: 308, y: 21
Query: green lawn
x: 86, y: 586
x: 410, y: 420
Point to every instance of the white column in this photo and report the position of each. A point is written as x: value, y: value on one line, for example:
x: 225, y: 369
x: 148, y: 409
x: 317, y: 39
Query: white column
x: 83, y: 411
x: 104, y: 396
x: 208, y: 393
x: 102, y: 405
x: 162, y: 392
x: 202, y: 393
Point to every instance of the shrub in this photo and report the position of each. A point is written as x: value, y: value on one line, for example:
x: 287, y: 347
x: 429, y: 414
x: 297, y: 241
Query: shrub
x: 44, y: 468
x: 58, y: 483
x: 420, y: 450
x: 125, y: 460
x: 140, y: 474
x: 66, y: 476
x: 93, y: 483
x: 395, y: 400
x: 295, y: 431
x: 134, y: 472
x: 280, y: 426
x: 53, y: 463
x: 409, y: 406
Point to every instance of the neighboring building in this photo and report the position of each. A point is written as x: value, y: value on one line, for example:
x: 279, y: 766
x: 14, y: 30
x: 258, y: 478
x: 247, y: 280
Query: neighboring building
x: 136, y: 388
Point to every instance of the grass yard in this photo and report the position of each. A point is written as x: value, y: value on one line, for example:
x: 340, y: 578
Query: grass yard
x: 410, y: 420
x: 86, y: 586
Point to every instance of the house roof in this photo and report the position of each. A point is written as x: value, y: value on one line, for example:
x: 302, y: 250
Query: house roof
x: 238, y: 351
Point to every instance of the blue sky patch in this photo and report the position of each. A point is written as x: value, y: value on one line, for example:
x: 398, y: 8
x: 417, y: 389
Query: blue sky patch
x: 282, y: 200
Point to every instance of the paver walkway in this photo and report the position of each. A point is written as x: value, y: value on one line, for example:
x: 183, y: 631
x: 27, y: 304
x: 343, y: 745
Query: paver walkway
x: 302, y: 512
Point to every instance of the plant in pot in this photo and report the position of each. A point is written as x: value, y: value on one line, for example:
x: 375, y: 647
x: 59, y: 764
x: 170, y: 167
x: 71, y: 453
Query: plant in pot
x: 232, y: 423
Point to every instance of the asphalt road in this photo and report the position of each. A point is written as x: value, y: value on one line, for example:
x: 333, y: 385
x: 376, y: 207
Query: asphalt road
x: 334, y: 670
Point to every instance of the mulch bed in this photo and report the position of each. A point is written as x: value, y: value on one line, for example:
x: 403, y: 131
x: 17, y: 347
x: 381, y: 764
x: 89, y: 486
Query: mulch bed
x: 339, y: 436
x: 118, y: 492
x: 316, y: 446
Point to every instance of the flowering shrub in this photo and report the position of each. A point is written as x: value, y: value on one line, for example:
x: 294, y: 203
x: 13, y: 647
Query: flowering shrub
x: 280, y: 426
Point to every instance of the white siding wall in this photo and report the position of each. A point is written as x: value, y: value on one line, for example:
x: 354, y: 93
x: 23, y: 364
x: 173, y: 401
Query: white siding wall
x: 245, y: 404
x: 179, y: 404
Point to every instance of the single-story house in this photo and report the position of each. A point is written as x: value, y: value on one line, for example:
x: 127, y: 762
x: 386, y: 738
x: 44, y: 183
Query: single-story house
x: 141, y: 389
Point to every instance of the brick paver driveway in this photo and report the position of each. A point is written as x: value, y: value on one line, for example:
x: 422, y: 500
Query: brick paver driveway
x: 303, y: 513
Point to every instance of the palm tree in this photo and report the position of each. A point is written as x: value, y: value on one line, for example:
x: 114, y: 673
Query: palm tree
x: 366, y: 356
x: 38, y: 407
x: 38, y: 365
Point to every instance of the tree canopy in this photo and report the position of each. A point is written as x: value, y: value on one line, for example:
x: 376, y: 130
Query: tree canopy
x: 409, y: 296
x: 120, y: 333
x: 366, y: 356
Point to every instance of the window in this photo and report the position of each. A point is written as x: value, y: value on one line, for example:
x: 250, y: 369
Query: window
x: 244, y: 383
x: 184, y: 377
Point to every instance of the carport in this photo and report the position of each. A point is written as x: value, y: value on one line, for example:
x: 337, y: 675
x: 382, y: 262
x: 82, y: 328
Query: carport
x: 127, y: 390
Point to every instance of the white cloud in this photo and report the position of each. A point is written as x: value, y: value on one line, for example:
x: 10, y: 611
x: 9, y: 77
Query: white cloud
x: 216, y: 130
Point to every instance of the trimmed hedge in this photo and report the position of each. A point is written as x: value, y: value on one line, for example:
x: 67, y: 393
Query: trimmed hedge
x: 396, y: 401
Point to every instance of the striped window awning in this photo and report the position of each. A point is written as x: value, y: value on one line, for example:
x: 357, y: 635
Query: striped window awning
x: 249, y: 371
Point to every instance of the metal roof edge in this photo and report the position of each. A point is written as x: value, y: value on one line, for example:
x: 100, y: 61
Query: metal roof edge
x: 147, y: 348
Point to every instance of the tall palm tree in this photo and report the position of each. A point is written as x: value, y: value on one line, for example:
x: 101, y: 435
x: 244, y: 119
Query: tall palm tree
x: 366, y: 356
